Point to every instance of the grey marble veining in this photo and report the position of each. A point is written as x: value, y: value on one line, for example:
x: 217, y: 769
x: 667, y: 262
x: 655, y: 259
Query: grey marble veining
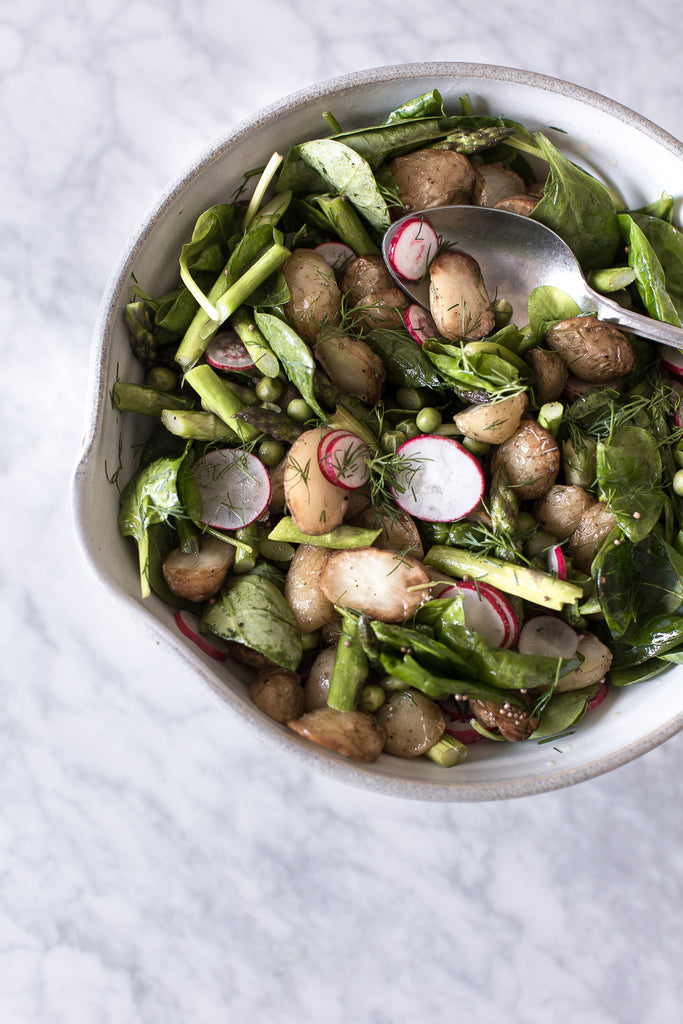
x: 158, y: 864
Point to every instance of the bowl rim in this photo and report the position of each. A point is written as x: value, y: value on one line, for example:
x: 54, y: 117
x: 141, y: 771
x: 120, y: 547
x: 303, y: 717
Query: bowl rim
x: 321, y: 761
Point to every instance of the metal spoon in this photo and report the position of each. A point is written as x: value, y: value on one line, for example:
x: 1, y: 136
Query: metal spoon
x: 517, y: 254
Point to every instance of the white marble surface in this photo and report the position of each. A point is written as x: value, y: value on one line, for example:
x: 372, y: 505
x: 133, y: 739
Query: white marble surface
x: 158, y: 864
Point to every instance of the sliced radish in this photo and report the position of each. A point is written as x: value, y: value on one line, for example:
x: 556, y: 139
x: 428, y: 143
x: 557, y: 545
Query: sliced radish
x: 549, y: 635
x: 188, y: 624
x: 457, y: 724
x: 483, y: 613
x: 234, y: 487
x: 227, y: 352
x: 419, y: 324
x: 557, y: 563
x: 598, y: 696
x: 412, y: 248
x: 437, y: 479
x: 344, y: 460
x: 672, y: 359
x: 336, y: 254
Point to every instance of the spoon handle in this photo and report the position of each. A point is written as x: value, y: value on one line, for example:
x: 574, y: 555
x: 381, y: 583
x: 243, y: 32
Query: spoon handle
x: 644, y: 326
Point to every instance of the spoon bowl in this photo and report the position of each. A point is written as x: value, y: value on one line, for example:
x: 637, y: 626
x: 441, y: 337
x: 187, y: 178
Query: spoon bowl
x: 517, y: 254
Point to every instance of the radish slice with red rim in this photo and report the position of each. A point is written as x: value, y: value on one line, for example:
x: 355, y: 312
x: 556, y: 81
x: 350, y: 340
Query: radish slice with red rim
x: 419, y: 324
x: 188, y: 624
x: 483, y: 612
x: 557, y: 564
x: 227, y: 352
x: 336, y: 254
x: 457, y: 724
x: 344, y: 460
x: 548, y: 635
x: 412, y: 248
x: 598, y: 696
x: 672, y: 359
x: 234, y: 487
x: 437, y: 480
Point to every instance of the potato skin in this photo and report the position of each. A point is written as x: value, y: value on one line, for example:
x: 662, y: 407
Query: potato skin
x: 559, y: 511
x: 433, y: 177
x: 532, y: 460
x: 595, y: 667
x: 352, y: 365
x: 363, y: 276
x: 458, y: 300
x: 413, y: 723
x: 377, y: 309
x: 278, y: 693
x: 550, y: 373
x: 353, y: 734
x: 315, y: 504
x: 593, y: 350
x: 314, y: 293
x: 594, y: 526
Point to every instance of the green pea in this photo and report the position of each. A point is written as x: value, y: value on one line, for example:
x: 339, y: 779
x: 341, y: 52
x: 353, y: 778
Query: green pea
x: 428, y: 420
x: 271, y: 452
x: 392, y: 440
x: 678, y: 483
x: 299, y: 410
x: 678, y: 454
x: 269, y: 389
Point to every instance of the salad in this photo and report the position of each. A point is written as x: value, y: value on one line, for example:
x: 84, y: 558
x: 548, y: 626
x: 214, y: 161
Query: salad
x: 419, y: 528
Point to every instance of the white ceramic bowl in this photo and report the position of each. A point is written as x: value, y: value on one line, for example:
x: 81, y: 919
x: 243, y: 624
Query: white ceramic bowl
x: 639, y: 159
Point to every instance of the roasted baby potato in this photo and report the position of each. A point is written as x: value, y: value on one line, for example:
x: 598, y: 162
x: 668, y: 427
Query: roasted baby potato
x: 492, y: 422
x: 413, y: 723
x: 353, y: 734
x: 559, y: 511
x: 532, y: 460
x: 593, y: 350
x: 312, y: 609
x: 314, y: 294
x: 363, y: 276
x: 315, y: 505
x: 596, y: 523
x: 198, y: 577
x: 458, y: 300
x: 433, y: 177
x: 278, y: 693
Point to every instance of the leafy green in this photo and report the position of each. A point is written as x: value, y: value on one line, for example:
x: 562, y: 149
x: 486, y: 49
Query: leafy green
x: 629, y: 469
x: 666, y: 243
x: 405, y: 363
x: 547, y: 305
x: 563, y: 711
x: 294, y: 355
x: 150, y: 497
x: 252, y: 610
x: 578, y: 208
x: 349, y: 174
x: 482, y: 370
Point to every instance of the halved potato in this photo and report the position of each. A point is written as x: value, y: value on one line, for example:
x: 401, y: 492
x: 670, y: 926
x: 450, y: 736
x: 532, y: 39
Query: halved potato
x: 458, y: 300
x: 315, y: 504
x: 364, y: 275
x: 413, y: 723
x: 353, y: 734
x: 198, y: 577
x: 595, y: 666
x: 492, y: 422
x: 314, y: 293
x: 352, y: 366
x: 495, y: 182
x: 312, y: 609
x: 385, y: 584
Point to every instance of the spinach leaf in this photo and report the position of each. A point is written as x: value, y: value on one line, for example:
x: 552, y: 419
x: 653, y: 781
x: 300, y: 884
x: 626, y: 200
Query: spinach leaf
x: 436, y: 656
x: 650, y: 274
x: 349, y: 174
x: 150, y: 497
x: 429, y: 104
x: 667, y: 243
x: 563, y: 711
x: 640, y: 590
x: 638, y: 673
x: 578, y: 208
x: 547, y: 305
x: 251, y: 610
x: 294, y: 355
x: 629, y: 469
